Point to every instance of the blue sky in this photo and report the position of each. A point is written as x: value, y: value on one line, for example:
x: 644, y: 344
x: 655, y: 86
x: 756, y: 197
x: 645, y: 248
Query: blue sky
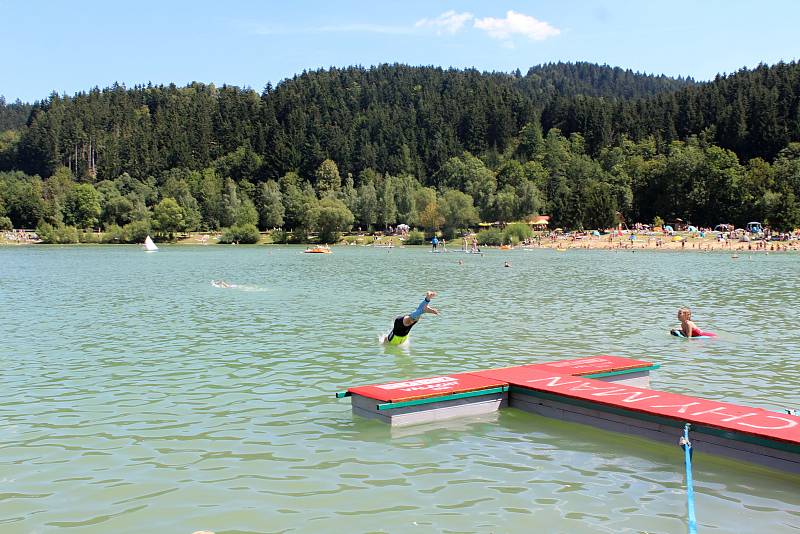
x: 52, y: 45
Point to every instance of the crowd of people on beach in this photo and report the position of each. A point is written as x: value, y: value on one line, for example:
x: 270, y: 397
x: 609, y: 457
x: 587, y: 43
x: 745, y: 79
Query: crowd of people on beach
x: 702, y: 240
x: 638, y: 236
x: 21, y: 236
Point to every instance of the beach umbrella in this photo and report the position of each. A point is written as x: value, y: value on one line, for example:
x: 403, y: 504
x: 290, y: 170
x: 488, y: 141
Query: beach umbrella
x: 668, y: 228
x: 595, y: 233
x: 692, y: 228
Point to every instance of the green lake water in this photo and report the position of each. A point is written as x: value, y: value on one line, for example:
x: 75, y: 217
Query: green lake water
x: 137, y: 397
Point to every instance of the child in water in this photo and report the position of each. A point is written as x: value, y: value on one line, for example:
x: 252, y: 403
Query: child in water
x: 688, y: 328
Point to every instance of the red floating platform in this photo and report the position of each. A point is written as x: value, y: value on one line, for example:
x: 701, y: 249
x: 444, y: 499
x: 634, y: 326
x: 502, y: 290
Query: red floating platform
x: 426, y: 387
x: 725, y: 416
x: 594, y: 365
x: 603, y: 391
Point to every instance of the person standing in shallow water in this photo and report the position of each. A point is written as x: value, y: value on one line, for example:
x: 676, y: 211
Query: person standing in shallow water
x: 404, y: 323
x: 435, y: 243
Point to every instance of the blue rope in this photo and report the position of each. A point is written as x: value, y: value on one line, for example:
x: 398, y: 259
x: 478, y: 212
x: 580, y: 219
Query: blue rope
x: 687, y: 452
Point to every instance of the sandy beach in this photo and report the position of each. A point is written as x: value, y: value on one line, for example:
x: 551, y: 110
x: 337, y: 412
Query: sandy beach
x: 686, y: 243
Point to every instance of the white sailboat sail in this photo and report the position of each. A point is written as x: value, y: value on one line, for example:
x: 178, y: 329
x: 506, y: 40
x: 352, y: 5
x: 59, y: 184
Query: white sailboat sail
x: 149, y: 246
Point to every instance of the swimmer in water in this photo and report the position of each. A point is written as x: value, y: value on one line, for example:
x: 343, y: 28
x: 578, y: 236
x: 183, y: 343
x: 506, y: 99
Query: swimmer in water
x: 221, y: 283
x: 404, y: 323
x: 688, y: 328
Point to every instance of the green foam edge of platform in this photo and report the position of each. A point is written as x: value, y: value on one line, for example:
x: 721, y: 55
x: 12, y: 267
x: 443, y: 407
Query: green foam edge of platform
x: 442, y: 398
x: 623, y: 371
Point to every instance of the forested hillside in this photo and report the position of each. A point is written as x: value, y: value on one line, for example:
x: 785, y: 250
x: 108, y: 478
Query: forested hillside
x: 391, y: 118
x: 438, y: 148
x: 13, y: 116
x: 753, y: 113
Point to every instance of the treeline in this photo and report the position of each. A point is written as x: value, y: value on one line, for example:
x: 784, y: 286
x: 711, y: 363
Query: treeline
x: 695, y: 180
x: 754, y: 113
x: 392, y: 118
x: 440, y: 149
x: 13, y: 116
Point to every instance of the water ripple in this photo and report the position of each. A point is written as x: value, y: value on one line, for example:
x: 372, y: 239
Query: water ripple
x: 138, y: 396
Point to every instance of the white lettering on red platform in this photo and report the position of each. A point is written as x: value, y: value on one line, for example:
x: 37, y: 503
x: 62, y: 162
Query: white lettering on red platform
x: 690, y: 409
x: 426, y: 383
x: 557, y: 381
x: 631, y: 396
x: 577, y: 363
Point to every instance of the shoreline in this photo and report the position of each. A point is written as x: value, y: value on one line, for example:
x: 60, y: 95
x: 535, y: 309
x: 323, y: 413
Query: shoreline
x: 654, y: 243
x: 738, y: 248
x: 685, y: 245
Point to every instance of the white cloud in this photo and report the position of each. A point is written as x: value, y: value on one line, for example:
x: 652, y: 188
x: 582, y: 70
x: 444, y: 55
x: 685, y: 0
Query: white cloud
x: 448, y: 22
x: 516, y: 23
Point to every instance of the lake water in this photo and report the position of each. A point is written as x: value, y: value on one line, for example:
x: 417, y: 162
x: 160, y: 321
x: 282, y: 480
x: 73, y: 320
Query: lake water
x: 137, y: 397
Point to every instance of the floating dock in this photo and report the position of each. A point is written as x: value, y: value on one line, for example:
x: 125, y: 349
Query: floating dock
x: 609, y: 392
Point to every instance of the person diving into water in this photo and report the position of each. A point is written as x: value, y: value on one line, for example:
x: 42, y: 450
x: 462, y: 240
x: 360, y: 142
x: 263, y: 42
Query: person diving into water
x: 404, y: 323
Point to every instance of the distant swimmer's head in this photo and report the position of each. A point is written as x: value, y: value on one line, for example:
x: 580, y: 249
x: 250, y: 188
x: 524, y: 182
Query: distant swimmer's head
x: 684, y: 313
